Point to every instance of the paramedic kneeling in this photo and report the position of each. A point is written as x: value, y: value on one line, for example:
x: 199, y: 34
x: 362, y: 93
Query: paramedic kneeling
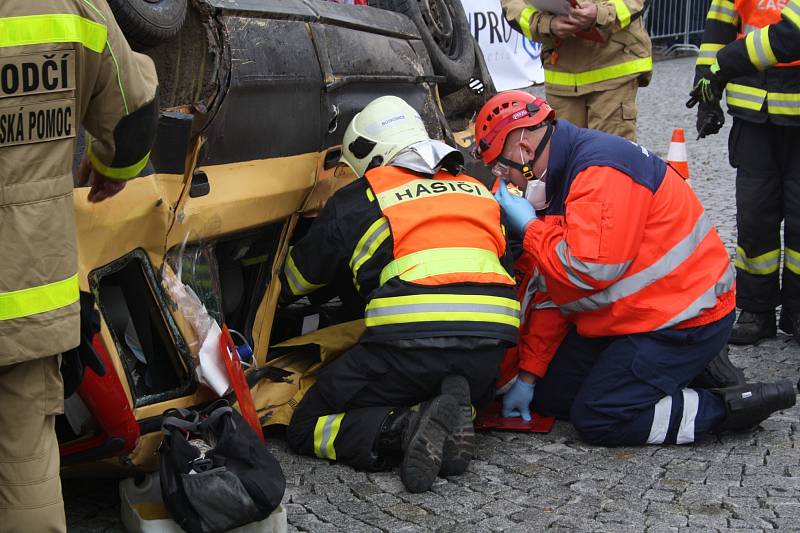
x: 638, y: 270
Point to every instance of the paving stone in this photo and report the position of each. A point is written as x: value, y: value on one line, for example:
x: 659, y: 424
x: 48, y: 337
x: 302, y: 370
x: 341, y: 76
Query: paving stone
x: 659, y: 495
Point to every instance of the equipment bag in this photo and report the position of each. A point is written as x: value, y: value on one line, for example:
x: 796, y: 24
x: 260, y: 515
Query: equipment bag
x: 215, y: 473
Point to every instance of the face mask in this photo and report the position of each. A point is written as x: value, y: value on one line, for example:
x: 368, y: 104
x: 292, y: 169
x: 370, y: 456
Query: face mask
x: 536, y: 193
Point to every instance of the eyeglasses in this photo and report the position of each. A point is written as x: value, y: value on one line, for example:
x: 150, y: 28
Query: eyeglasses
x: 500, y: 170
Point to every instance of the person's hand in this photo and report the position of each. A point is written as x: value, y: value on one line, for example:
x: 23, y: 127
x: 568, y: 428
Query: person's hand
x: 518, y: 210
x: 103, y: 187
x: 563, y: 27
x: 708, y: 89
x: 517, y: 401
x: 710, y: 119
x: 584, y: 16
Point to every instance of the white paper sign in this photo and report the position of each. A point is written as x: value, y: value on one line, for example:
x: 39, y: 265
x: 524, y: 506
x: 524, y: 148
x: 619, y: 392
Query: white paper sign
x: 514, y: 61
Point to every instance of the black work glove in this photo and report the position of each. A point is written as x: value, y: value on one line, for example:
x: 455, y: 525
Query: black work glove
x: 709, y: 88
x: 710, y: 119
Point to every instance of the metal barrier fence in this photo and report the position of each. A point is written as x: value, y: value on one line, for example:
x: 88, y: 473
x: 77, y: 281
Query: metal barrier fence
x: 677, y: 24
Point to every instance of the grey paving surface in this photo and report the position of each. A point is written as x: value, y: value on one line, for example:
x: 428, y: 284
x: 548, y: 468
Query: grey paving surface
x: 530, y: 483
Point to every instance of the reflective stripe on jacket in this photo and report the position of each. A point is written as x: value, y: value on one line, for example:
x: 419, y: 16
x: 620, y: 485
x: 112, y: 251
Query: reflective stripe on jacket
x: 577, y: 66
x: 542, y: 327
x: 775, y: 44
x: 748, y: 36
x: 637, y: 252
x: 65, y: 63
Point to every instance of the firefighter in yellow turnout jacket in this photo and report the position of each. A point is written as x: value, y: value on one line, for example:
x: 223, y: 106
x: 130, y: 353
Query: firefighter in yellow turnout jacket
x: 591, y: 84
x: 750, y: 50
x: 63, y: 64
x: 425, y: 249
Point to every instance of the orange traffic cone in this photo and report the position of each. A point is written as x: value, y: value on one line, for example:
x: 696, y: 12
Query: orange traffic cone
x: 676, y: 156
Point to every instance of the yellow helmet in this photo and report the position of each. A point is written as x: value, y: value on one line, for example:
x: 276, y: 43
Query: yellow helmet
x: 384, y: 128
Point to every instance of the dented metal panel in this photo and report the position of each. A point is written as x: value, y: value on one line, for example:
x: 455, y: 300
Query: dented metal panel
x: 271, y: 105
x: 365, y: 18
x: 359, y: 66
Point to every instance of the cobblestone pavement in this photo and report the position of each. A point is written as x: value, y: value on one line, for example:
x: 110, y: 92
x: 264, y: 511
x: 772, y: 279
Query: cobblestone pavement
x: 528, y: 483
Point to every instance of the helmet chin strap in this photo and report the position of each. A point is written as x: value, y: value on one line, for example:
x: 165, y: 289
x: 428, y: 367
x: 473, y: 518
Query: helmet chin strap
x: 527, y: 168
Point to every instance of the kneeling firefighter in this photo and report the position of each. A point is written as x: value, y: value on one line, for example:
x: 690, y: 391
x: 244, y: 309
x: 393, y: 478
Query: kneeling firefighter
x: 425, y: 248
x: 630, y: 258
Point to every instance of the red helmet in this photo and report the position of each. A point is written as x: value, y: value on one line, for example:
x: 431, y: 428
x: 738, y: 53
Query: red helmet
x: 503, y: 113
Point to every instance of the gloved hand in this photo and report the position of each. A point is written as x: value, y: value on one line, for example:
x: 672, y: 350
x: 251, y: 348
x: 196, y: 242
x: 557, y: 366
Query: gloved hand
x: 710, y: 119
x: 517, y: 401
x: 518, y: 210
x: 708, y: 88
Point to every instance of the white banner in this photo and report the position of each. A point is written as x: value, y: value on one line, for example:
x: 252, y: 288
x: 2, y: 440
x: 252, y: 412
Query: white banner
x: 514, y: 61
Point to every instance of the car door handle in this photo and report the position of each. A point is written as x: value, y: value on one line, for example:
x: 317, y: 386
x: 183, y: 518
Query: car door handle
x: 332, y: 158
x: 200, y: 185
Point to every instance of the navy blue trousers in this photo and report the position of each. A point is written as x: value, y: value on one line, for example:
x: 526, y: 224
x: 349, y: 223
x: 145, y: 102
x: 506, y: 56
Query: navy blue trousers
x: 633, y: 389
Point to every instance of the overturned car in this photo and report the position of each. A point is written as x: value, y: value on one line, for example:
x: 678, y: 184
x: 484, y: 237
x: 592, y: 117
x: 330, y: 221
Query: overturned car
x: 255, y: 98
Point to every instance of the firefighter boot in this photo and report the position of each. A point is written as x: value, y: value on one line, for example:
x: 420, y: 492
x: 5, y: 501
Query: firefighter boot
x: 419, y: 433
x: 790, y: 323
x: 752, y: 327
x: 750, y: 404
x: 459, y: 447
x: 719, y: 373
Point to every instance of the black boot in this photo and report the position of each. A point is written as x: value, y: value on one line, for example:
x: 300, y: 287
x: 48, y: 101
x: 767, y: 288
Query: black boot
x: 418, y: 433
x: 752, y: 327
x: 750, y: 404
x: 459, y: 447
x: 790, y: 323
x: 719, y: 373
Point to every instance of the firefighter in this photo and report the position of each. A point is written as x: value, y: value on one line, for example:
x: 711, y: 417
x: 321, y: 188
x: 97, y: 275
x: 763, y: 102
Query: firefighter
x: 764, y: 148
x: 592, y: 84
x: 424, y: 246
x: 635, y: 266
x: 777, y: 42
x: 65, y: 63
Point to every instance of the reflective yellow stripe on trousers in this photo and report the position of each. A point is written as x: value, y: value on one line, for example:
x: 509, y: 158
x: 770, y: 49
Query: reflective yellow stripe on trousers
x: 439, y: 261
x: 37, y: 300
x: 791, y: 260
x: 568, y: 79
x: 761, y: 265
x: 442, y: 308
x: 325, y: 433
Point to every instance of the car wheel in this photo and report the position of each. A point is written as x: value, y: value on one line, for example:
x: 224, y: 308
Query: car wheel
x: 445, y: 32
x: 147, y: 23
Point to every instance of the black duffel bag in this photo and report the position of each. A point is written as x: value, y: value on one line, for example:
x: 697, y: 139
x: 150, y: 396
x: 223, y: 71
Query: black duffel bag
x: 215, y: 473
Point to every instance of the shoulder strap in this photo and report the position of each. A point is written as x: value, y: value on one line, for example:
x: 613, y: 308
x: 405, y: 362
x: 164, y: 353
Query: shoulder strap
x: 183, y: 419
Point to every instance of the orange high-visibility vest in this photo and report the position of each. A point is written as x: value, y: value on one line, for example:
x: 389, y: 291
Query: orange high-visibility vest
x: 445, y: 229
x: 756, y: 14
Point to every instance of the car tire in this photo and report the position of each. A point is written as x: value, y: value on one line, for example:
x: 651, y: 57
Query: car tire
x: 445, y: 32
x: 147, y: 23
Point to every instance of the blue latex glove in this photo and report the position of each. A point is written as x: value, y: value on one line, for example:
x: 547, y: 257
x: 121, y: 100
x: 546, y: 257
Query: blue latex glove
x: 517, y: 401
x: 519, y: 211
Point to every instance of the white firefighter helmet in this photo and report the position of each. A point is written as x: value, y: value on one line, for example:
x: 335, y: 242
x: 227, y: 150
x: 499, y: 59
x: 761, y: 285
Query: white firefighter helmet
x: 384, y: 128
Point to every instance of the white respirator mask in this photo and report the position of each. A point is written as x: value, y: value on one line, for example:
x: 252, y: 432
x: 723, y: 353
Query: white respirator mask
x: 536, y: 190
x: 536, y: 193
